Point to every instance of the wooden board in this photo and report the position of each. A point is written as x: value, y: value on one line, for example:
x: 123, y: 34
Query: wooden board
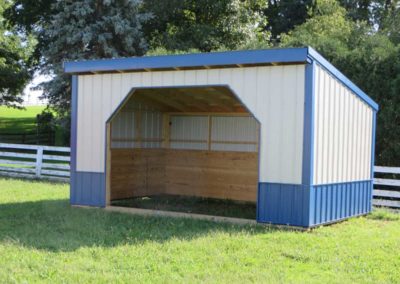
x: 215, y: 174
x: 137, y: 172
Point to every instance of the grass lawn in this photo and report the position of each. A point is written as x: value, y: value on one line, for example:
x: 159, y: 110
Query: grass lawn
x: 19, y: 120
x: 43, y: 239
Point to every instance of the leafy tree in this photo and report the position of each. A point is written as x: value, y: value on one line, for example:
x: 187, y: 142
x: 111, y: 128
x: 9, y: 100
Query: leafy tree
x: 367, y: 57
x: 283, y: 16
x: 30, y: 18
x: 14, y: 62
x: 374, y: 12
x: 327, y: 29
x: 88, y: 29
x: 204, y: 24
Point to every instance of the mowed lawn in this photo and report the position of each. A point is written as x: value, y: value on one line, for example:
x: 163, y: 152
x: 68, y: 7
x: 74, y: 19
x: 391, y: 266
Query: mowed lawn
x: 19, y: 120
x: 43, y: 239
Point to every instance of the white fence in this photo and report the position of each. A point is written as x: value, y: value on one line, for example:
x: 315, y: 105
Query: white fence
x: 32, y: 161
x: 387, y: 190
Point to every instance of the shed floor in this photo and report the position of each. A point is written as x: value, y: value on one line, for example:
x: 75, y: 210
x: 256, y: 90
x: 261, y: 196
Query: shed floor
x: 198, y: 205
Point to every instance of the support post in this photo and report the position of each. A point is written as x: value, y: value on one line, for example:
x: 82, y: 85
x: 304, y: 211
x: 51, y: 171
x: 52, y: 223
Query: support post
x: 39, y: 161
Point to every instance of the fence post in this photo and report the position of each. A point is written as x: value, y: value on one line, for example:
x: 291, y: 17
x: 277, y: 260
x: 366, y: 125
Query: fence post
x: 39, y: 160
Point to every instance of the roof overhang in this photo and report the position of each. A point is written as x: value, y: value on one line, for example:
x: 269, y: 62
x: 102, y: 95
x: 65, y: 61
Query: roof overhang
x: 190, y: 61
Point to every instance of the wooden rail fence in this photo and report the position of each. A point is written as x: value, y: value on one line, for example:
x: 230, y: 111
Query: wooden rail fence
x: 44, y: 138
x: 386, y: 187
x: 32, y: 161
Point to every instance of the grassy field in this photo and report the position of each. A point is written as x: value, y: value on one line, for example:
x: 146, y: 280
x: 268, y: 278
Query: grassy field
x: 43, y: 239
x: 19, y: 120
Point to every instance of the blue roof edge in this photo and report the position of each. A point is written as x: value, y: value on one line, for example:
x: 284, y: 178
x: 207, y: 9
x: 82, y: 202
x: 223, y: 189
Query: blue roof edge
x: 251, y: 57
x: 314, y: 55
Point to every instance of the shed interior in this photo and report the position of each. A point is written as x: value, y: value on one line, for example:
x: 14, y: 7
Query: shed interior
x: 186, y: 142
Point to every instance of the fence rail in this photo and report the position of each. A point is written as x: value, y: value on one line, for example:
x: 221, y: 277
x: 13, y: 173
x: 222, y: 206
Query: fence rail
x: 32, y: 161
x: 386, y: 187
x: 43, y: 138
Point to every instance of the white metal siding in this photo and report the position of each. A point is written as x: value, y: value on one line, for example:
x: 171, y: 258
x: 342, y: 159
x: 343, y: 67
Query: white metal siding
x: 274, y: 94
x: 342, y: 132
x: 234, y: 129
x: 193, y: 129
x: 123, y: 127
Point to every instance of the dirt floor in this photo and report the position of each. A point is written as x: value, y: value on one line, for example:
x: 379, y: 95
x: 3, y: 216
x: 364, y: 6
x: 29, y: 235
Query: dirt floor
x: 217, y: 207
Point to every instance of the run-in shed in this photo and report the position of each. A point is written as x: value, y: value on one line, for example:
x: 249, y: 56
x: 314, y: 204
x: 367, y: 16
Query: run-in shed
x: 279, y: 127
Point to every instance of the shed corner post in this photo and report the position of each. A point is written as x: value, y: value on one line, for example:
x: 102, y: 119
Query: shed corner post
x: 73, y: 137
x: 308, y: 144
x: 107, y: 176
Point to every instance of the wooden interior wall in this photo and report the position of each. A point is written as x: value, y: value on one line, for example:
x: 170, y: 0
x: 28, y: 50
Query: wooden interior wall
x: 137, y: 172
x: 214, y: 174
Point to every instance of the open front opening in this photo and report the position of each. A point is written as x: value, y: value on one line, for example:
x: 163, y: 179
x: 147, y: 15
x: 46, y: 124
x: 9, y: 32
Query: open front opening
x: 184, y: 149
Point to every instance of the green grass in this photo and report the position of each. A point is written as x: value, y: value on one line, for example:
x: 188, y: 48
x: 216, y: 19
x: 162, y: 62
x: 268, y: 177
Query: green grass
x: 19, y: 120
x: 196, y: 205
x: 43, y: 239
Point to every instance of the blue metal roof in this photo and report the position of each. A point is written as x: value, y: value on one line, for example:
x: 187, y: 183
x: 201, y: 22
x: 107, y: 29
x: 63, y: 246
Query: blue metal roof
x: 191, y: 61
x: 214, y: 60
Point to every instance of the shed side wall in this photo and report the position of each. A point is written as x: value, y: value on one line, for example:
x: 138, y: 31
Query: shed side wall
x: 274, y: 94
x: 343, y: 126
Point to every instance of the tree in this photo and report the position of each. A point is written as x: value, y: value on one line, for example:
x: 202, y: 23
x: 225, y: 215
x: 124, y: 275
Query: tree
x: 14, y: 62
x: 88, y: 29
x: 368, y: 57
x: 374, y: 12
x: 283, y: 16
x: 204, y: 25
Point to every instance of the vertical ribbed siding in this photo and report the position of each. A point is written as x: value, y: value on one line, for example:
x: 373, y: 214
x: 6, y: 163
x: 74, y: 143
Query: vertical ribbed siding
x: 123, y: 127
x: 234, y: 129
x: 284, y: 204
x: 193, y: 129
x: 88, y: 189
x: 308, y: 206
x: 342, y: 132
x: 333, y: 202
x: 274, y: 95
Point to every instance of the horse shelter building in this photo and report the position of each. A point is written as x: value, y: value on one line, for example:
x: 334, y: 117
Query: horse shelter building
x: 282, y: 128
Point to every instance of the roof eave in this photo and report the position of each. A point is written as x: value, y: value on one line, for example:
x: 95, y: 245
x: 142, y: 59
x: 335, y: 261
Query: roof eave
x: 190, y: 61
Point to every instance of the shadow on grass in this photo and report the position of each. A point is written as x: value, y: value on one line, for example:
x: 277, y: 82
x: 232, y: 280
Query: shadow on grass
x: 17, y: 125
x: 54, y: 225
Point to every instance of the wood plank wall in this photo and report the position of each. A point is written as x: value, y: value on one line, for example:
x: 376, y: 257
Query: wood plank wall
x: 214, y: 174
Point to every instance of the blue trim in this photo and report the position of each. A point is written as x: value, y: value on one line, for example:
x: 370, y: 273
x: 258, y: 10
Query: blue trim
x: 309, y: 206
x: 88, y: 189
x: 335, y: 202
x: 308, y: 128
x: 283, y: 204
x: 314, y: 55
x: 73, y: 135
x: 227, y: 58
x: 74, y: 120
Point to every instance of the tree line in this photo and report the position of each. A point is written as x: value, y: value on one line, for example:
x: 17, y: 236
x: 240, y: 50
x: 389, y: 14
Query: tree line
x: 360, y: 37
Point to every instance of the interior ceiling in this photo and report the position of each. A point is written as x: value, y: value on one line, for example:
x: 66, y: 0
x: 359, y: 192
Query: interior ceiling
x: 193, y: 99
